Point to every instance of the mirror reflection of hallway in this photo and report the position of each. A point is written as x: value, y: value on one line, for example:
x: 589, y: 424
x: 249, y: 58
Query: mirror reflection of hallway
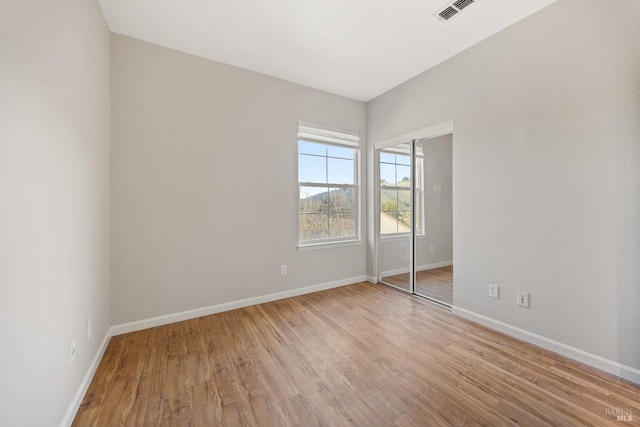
x: 416, y: 230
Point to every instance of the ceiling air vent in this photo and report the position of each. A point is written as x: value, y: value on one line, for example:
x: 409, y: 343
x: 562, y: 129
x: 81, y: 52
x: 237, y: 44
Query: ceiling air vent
x: 453, y: 8
x: 461, y: 4
x: 448, y: 13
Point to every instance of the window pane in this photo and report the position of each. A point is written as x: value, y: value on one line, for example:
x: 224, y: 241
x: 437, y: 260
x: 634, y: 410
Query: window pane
x: 387, y: 174
x: 404, y: 200
x: 314, y: 226
x: 402, y: 159
x: 305, y: 147
x: 312, y: 169
x: 404, y: 221
x: 313, y: 200
x: 340, y: 171
x: 341, y: 225
x: 404, y: 175
x: 342, y: 152
x: 395, y: 206
x: 389, y: 200
x: 387, y: 157
x: 341, y: 200
x: 388, y: 223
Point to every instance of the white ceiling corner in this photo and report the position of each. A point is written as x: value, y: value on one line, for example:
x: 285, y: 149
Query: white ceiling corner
x: 355, y: 48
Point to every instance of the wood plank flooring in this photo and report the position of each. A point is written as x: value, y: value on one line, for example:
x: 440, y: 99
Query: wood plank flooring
x: 435, y: 283
x: 363, y: 355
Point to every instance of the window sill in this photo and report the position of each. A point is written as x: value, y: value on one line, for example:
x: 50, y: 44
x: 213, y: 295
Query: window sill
x: 328, y: 245
x: 401, y: 237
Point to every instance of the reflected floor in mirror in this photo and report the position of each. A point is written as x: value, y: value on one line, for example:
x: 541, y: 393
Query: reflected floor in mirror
x: 436, y: 283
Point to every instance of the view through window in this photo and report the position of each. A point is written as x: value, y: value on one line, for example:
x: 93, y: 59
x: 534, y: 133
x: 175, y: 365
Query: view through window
x: 327, y: 180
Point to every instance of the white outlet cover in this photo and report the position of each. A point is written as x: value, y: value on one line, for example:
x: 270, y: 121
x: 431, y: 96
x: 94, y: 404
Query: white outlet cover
x: 494, y: 291
x: 523, y: 299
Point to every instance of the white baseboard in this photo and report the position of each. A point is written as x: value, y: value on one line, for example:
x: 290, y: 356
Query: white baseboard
x: 598, y: 362
x: 434, y: 265
x: 394, y: 272
x: 372, y: 279
x: 418, y: 268
x: 219, y: 308
x: 86, y: 381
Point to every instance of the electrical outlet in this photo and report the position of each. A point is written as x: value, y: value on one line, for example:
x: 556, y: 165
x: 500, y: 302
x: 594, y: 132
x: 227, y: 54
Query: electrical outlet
x: 283, y: 270
x: 494, y: 291
x: 72, y: 353
x: 523, y: 299
x: 89, y: 328
x: 431, y: 249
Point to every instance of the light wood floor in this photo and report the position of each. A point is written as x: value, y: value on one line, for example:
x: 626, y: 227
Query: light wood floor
x: 435, y: 283
x: 363, y: 355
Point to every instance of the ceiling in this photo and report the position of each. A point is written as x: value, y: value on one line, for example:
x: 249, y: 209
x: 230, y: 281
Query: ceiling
x: 355, y: 48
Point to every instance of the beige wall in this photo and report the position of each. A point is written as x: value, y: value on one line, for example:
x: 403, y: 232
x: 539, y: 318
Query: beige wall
x: 54, y: 203
x: 205, y: 183
x: 546, y: 168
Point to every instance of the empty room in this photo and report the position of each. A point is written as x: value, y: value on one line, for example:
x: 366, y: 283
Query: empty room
x: 296, y: 213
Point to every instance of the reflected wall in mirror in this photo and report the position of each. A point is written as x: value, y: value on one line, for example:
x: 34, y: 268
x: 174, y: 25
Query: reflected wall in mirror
x: 434, y: 206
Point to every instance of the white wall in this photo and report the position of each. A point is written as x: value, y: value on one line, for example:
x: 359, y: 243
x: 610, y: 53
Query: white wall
x: 205, y: 182
x: 54, y: 203
x: 546, y: 171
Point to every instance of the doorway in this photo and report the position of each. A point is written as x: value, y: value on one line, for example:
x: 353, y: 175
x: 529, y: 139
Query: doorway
x: 414, y: 236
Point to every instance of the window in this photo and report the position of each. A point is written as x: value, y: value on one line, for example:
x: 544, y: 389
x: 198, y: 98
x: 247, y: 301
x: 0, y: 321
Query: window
x: 328, y: 185
x: 395, y: 191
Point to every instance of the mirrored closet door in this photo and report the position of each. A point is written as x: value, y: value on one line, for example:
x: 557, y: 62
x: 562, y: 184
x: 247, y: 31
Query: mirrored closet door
x: 415, y: 217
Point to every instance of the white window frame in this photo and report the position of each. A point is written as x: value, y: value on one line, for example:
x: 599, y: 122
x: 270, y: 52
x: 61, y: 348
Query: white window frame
x: 340, y: 138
